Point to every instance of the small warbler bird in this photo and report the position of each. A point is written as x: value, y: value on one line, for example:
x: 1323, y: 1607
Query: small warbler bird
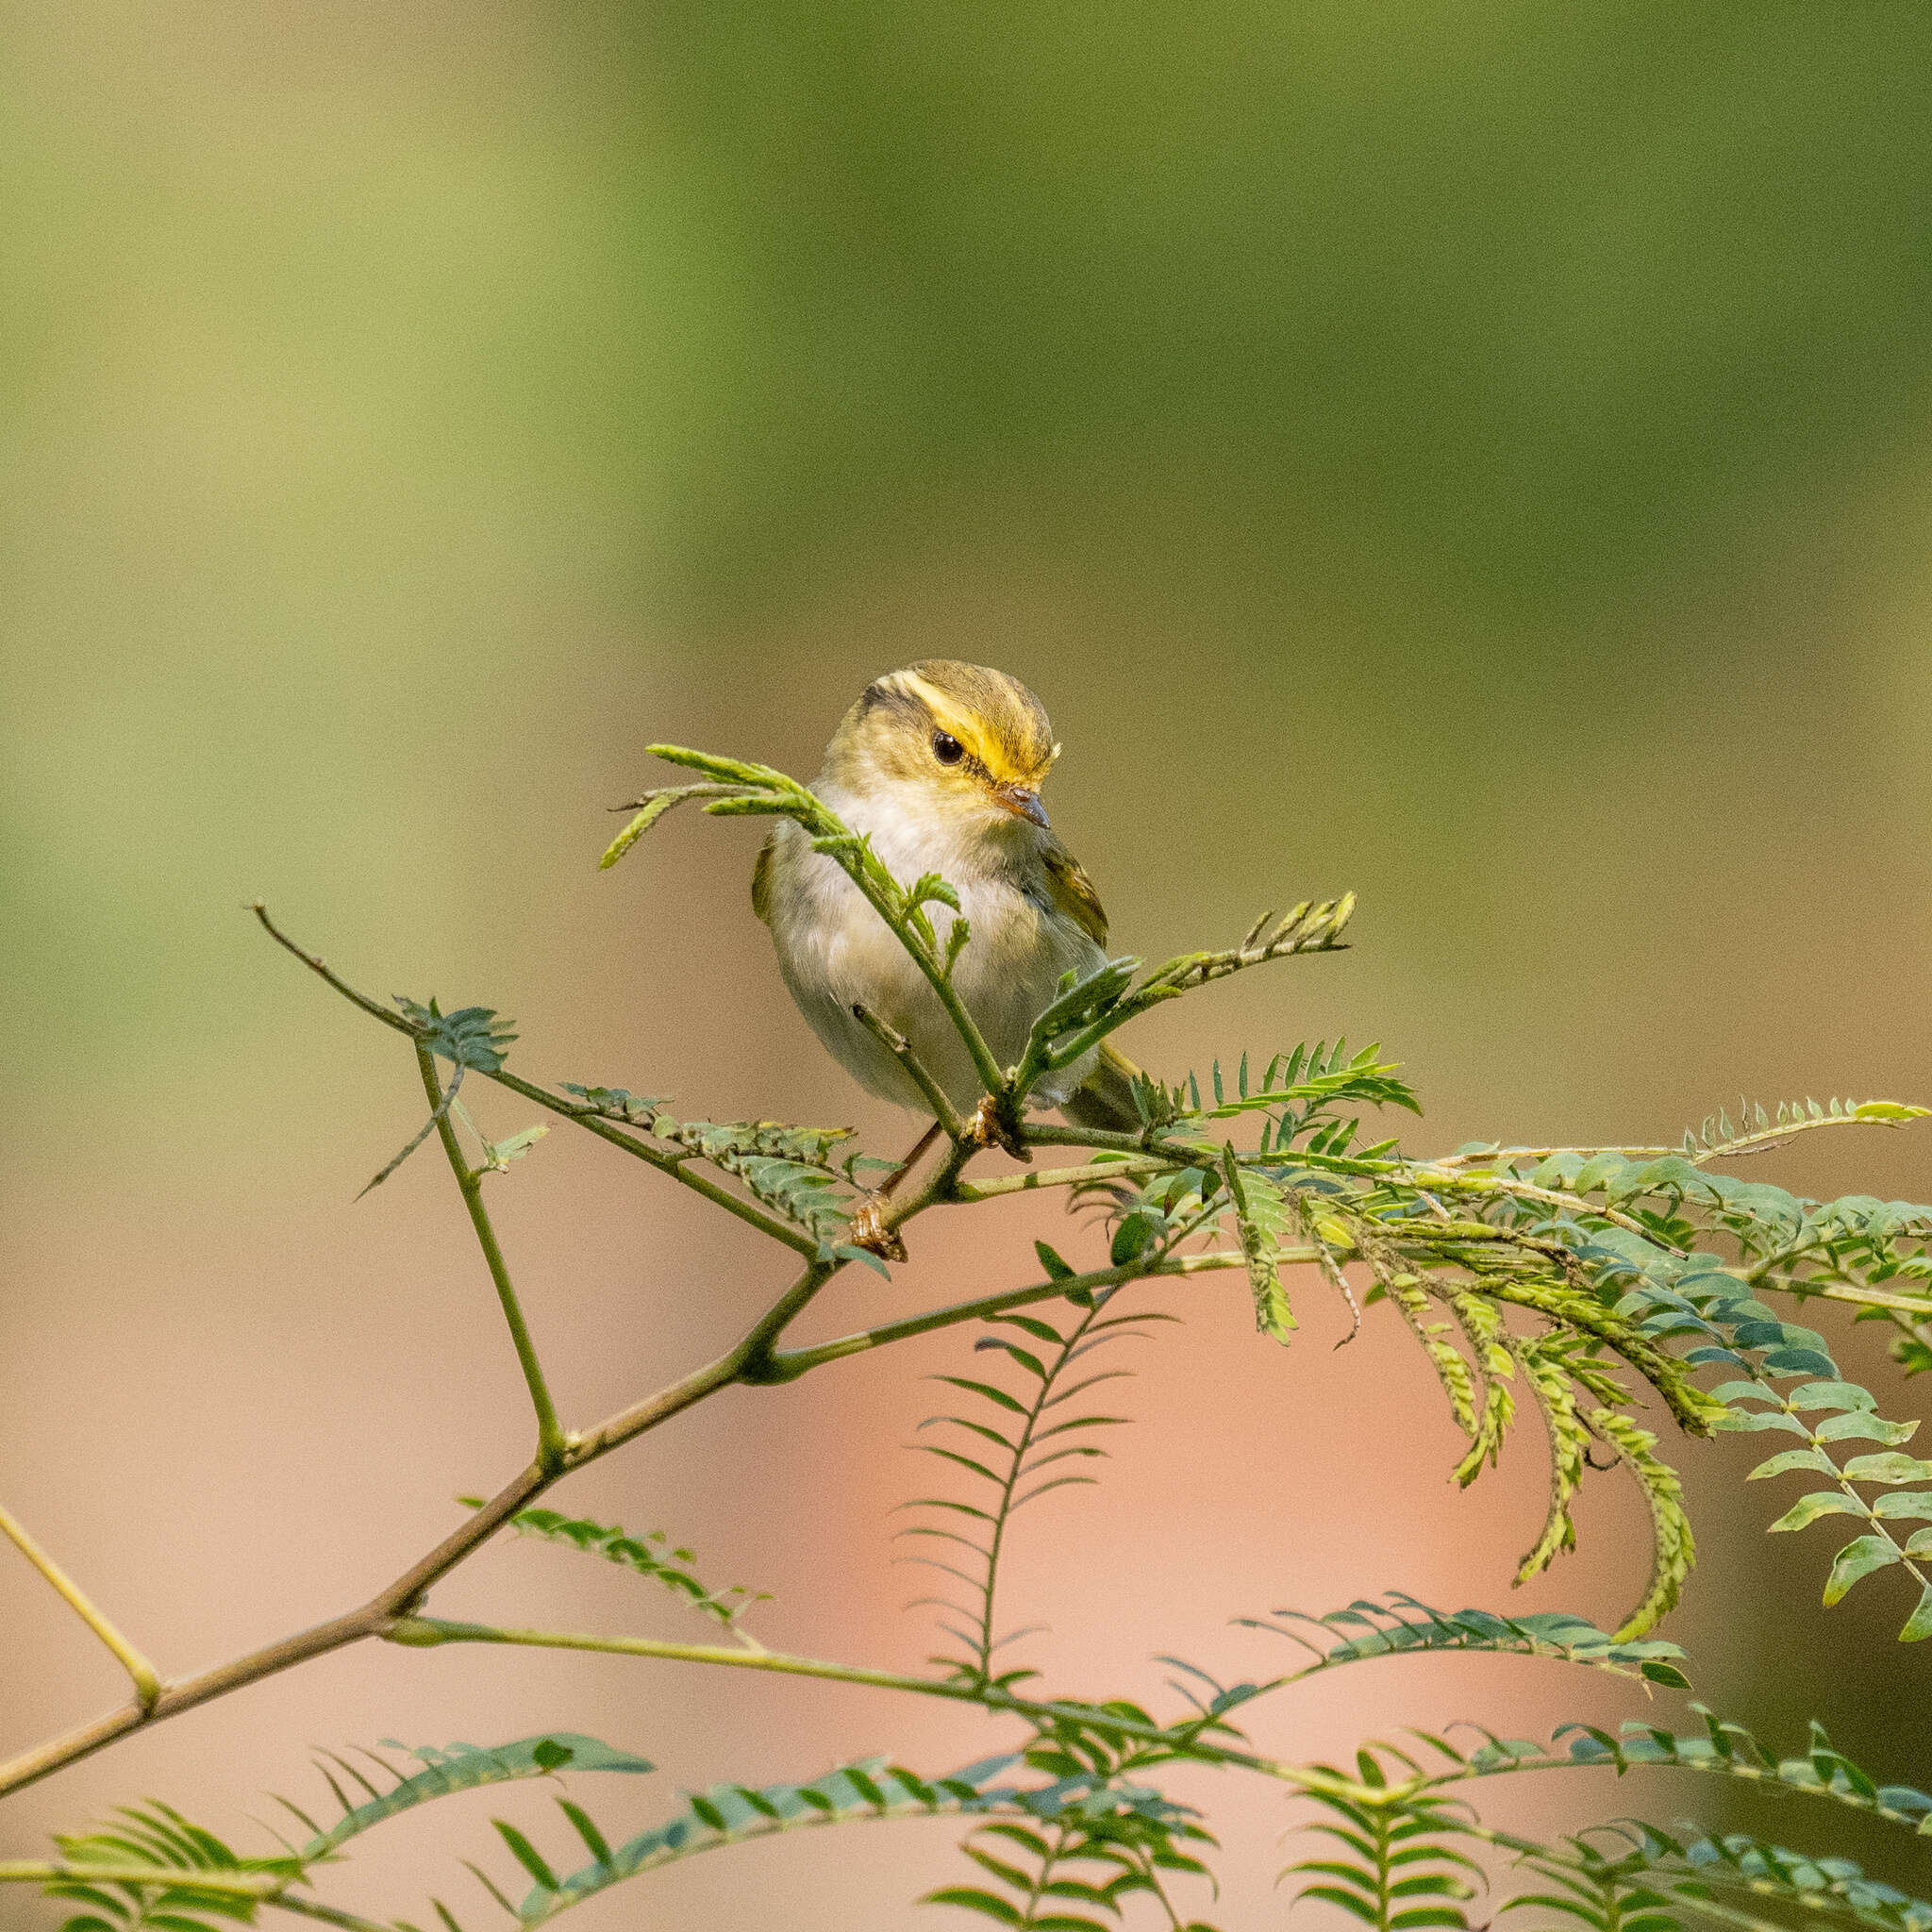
x: 942, y: 765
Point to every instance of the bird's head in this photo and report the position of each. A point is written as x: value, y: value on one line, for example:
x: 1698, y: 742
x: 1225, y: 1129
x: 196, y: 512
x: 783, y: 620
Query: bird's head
x: 951, y: 738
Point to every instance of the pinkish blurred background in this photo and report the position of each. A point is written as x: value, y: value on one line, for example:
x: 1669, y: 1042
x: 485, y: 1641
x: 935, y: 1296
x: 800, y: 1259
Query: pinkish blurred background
x: 1476, y: 457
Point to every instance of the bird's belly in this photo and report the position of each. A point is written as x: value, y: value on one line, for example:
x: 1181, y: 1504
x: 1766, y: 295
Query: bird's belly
x: 1008, y: 972
x: 1016, y: 976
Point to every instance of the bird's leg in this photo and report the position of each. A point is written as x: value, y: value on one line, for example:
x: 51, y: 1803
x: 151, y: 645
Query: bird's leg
x: 887, y: 1187
x: 869, y: 1230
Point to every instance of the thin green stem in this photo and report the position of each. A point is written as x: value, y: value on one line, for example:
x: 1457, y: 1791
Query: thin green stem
x: 900, y: 1048
x: 329, y: 1915
x: 268, y: 1888
x: 991, y: 1076
x: 242, y: 1885
x: 887, y: 896
x: 1414, y: 1174
x: 429, y: 1632
x: 147, y: 1683
x: 406, y: 1592
x: 1041, y: 1877
x: 1837, y: 1794
x: 792, y: 1362
x: 1763, y: 1140
x: 1003, y: 1509
x: 1686, y: 1889
x: 551, y: 1440
x: 1035, y: 1180
x: 677, y: 1166
x: 1915, y: 1308
x: 1910, y: 1311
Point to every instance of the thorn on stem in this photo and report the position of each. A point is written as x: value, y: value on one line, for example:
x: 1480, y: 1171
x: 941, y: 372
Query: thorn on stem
x: 988, y: 1128
x: 870, y: 1232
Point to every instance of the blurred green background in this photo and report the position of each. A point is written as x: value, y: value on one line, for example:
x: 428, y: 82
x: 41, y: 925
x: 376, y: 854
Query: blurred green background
x: 1474, y: 453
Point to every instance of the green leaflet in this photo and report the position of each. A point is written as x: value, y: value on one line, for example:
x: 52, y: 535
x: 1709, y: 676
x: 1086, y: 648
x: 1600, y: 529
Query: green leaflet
x: 663, y: 1563
x: 470, y: 1036
x: 1856, y: 1560
x: 732, y: 1814
x: 459, y: 1768
x: 154, y: 1836
x: 1808, y: 1509
x: 1888, y: 1468
x: 1300, y: 1087
x: 1260, y: 1214
x: 1392, y: 1866
x: 1673, y: 1546
x: 1723, y: 1749
x: 791, y: 1170
x: 1024, y: 1446
x: 1919, y: 1624
x: 473, y: 1036
x: 1400, y: 1626
x: 648, y: 813
x: 1543, y: 1369
x: 1864, y: 1426
x: 729, y: 1814
x: 1405, y: 1290
x: 1659, y: 1881
x: 1681, y: 1875
x: 1482, y: 1326
x: 1815, y: 1460
x: 1087, y: 1012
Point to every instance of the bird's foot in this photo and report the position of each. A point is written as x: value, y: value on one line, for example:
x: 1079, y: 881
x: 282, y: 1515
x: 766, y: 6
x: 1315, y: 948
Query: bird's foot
x: 870, y: 1232
x: 988, y: 1128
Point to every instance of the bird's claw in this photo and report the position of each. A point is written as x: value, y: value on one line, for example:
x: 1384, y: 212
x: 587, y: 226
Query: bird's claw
x: 870, y: 1232
x: 988, y: 1128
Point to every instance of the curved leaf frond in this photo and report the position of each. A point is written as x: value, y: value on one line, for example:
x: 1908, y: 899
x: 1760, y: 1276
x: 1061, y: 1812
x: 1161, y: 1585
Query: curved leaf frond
x: 1402, y: 1626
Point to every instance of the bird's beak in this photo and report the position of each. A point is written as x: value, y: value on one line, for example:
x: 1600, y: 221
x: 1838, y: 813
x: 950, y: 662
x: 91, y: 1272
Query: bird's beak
x: 1021, y: 803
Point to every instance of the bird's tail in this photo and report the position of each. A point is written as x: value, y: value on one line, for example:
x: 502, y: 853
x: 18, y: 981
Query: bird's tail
x: 1106, y: 1100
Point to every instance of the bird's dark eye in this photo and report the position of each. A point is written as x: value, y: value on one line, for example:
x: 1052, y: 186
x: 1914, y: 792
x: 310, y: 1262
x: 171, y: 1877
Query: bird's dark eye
x: 947, y: 748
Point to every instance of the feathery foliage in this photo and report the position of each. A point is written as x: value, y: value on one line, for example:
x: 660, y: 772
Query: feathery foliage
x: 1664, y: 1880
x: 789, y: 1170
x: 730, y: 1814
x: 187, y: 1864
x: 1392, y: 1867
x: 445, y: 1770
x: 1007, y: 1452
x: 1635, y: 1298
x: 1401, y: 1625
x: 652, y: 1555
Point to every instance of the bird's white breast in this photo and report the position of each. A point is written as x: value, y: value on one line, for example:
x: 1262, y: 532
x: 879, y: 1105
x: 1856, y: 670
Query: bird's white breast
x: 834, y: 949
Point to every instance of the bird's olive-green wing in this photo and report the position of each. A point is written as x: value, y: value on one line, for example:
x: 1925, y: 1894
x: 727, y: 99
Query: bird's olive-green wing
x: 1072, y: 891
x: 762, y: 878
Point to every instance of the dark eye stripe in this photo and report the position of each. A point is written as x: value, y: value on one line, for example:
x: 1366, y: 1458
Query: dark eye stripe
x: 947, y: 748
